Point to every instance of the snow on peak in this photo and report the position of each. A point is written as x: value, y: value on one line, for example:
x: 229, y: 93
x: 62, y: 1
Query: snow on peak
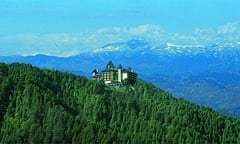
x: 184, y: 46
x: 143, y: 47
x: 171, y: 45
x: 110, y: 48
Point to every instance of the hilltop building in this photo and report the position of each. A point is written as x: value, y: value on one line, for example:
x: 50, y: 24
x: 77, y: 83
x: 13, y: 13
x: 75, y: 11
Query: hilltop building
x: 115, y: 78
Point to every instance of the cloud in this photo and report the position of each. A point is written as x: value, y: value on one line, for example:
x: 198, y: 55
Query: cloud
x: 229, y: 28
x: 50, y: 44
x: 145, y: 29
x: 229, y: 32
x: 151, y: 33
x: 67, y: 44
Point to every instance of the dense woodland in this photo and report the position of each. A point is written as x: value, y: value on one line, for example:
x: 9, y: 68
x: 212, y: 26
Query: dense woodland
x: 48, y: 106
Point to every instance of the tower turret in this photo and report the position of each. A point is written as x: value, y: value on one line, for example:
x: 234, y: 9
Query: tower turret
x: 94, y: 74
x: 110, y: 66
x: 120, y: 73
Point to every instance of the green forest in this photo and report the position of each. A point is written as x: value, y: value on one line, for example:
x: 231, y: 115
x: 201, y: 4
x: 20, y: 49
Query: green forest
x: 48, y: 106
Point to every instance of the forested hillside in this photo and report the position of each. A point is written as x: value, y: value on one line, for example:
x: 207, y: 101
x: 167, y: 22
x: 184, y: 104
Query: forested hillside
x: 47, y: 106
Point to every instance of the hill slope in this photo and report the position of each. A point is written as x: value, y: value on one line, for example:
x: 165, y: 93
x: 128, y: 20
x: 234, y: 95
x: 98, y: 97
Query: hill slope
x: 43, y: 106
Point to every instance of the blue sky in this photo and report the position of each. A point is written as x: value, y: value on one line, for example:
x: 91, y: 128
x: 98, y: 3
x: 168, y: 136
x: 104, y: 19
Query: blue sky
x: 59, y: 26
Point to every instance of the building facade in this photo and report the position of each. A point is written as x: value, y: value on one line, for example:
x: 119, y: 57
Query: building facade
x: 115, y: 77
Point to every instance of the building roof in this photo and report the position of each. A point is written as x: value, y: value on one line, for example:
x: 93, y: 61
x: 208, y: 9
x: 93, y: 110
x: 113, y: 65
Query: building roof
x: 119, y: 66
x: 110, y: 65
x: 95, y: 71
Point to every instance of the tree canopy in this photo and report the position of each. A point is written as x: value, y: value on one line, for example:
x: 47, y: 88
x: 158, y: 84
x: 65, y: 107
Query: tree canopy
x: 48, y: 106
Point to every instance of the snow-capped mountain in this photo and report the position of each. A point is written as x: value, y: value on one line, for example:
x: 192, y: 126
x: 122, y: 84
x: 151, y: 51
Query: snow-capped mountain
x: 171, y: 49
x: 146, y: 57
x: 129, y: 46
x: 173, y: 57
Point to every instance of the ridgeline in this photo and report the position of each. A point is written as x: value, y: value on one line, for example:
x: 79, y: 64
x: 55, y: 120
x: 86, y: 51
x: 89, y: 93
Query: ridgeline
x: 48, y: 106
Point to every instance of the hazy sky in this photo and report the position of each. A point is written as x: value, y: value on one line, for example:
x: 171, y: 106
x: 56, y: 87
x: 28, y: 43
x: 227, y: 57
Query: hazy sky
x: 38, y: 26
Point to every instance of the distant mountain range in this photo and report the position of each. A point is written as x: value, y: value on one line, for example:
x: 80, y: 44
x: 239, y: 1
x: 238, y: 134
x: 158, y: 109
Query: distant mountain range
x: 205, y: 75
